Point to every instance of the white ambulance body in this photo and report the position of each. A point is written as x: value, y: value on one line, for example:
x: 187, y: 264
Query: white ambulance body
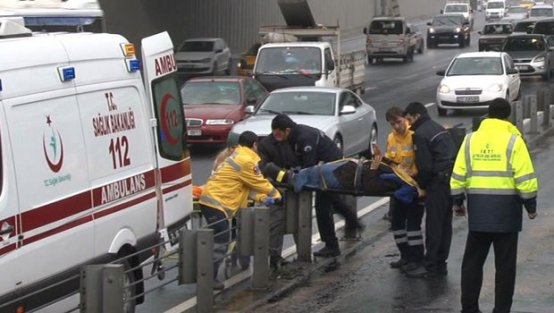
x: 93, y: 160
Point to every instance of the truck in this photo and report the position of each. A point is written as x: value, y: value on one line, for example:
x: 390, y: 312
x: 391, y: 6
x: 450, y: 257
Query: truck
x: 94, y: 162
x: 316, y: 59
x: 391, y: 37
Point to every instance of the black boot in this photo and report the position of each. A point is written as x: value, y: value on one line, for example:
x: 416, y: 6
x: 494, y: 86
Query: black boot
x: 328, y: 251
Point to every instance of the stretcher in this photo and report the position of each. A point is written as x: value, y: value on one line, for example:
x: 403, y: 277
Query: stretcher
x: 348, y: 176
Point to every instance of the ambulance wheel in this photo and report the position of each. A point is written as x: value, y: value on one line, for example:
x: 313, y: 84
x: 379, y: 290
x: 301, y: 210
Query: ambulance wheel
x: 129, y: 291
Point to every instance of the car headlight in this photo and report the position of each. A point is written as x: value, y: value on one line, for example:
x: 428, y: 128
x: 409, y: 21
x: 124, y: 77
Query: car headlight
x: 444, y: 89
x: 539, y: 59
x: 495, y: 88
x: 206, y: 60
x: 431, y: 30
x: 220, y: 122
x: 458, y: 29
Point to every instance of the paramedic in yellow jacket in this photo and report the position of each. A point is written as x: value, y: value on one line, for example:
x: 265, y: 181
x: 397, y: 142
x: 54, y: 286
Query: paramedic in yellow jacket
x: 228, y: 189
x: 494, y: 171
x: 406, y: 218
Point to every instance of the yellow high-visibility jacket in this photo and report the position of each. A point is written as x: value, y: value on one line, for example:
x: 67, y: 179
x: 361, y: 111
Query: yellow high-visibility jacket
x: 494, y: 170
x: 237, y: 179
x: 400, y: 148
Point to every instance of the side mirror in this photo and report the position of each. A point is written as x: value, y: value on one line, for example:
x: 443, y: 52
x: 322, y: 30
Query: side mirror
x: 441, y: 72
x: 348, y: 109
x: 249, y: 109
x: 330, y: 65
x: 365, y: 30
x: 512, y: 71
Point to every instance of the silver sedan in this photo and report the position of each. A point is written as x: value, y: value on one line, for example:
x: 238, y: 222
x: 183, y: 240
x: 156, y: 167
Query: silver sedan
x: 338, y: 112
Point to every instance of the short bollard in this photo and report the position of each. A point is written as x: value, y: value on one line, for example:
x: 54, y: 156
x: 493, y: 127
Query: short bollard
x: 298, y: 207
x: 253, y: 240
x: 205, y: 271
x: 534, y: 123
x: 101, y: 288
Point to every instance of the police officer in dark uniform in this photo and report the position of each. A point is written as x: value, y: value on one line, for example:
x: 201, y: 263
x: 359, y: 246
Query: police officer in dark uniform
x: 435, y: 155
x: 312, y: 146
x: 281, y: 154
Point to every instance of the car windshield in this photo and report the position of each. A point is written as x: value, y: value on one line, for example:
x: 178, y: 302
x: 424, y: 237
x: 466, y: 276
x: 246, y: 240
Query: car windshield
x: 386, y: 27
x: 208, y: 92
x: 498, y: 29
x: 524, y: 44
x: 289, y: 60
x: 299, y: 102
x: 456, y: 8
x: 524, y: 27
x: 517, y: 10
x: 495, y: 5
x: 541, y: 12
x: 197, y: 46
x: 476, y: 66
x: 447, y: 20
x: 545, y: 28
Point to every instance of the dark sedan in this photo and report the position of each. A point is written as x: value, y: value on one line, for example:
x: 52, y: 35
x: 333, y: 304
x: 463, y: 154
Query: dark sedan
x: 213, y: 105
x: 450, y: 29
x: 494, y: 35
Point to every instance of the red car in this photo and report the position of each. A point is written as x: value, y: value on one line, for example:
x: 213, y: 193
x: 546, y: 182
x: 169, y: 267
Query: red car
x: 213, y: 105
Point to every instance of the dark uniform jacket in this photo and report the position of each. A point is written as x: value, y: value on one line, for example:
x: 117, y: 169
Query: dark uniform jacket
x: 311, y: 145
x: 435, y: 151
x: 280, y: 153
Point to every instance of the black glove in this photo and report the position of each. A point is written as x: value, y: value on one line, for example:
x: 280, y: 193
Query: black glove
x: 530, y: 204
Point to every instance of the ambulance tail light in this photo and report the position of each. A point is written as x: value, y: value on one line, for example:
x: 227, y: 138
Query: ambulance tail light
x: 133, y: 65
x: 128, y: 50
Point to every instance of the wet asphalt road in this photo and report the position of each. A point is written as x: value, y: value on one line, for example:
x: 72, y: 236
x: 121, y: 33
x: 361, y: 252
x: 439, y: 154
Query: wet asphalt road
x: 365, y: 283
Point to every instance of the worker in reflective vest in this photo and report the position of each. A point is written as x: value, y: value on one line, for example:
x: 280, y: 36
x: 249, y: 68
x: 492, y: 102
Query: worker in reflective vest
x: 494, y: 171
x: 228, y: 189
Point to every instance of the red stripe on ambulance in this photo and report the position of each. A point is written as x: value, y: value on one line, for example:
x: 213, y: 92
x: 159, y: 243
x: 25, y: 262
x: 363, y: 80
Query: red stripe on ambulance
x: 176, y: 171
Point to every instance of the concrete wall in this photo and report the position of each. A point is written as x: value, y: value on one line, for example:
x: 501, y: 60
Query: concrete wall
x: 237, y: 21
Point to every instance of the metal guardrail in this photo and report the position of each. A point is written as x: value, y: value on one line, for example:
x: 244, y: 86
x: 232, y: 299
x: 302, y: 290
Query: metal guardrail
x: 105, y: 288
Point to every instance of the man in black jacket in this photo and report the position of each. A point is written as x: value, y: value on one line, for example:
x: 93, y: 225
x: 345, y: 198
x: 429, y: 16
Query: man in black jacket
x: 312, y: 146
x: 281, y: 154
x: 435, y: 154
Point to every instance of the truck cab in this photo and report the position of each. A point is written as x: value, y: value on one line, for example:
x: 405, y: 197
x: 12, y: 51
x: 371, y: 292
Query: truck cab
x: 281, y: 65
x: 319, y: 61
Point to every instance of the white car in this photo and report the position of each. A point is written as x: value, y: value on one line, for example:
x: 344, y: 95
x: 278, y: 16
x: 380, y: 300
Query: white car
x: 474, y: 79
x: 338, y: 112
x: 203, y: 56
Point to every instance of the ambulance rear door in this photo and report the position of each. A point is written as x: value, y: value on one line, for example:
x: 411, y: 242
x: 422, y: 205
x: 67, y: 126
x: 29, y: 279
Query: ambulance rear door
x: 162, y: 88
x: 9, y: 214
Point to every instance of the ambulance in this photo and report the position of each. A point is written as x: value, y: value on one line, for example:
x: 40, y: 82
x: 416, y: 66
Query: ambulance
x: 93, y: 160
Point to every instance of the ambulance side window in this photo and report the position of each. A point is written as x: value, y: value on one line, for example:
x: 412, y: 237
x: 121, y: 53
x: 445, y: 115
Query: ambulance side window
x: 169, y: 112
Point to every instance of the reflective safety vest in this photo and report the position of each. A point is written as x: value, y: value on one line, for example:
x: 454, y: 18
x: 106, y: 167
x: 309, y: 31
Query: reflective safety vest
x: 237, y: 179
x: 400, y: 148
x: 494, y: 169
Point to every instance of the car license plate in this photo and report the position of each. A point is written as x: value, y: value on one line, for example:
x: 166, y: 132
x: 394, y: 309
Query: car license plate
x: 521, y: 67
x: 194, y: 132
x: 467, y: 99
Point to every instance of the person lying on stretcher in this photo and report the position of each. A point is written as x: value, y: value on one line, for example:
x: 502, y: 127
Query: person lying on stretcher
x: 377, y: 177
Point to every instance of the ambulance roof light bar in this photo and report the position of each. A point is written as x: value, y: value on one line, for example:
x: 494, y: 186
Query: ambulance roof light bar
x: 13, y: 27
